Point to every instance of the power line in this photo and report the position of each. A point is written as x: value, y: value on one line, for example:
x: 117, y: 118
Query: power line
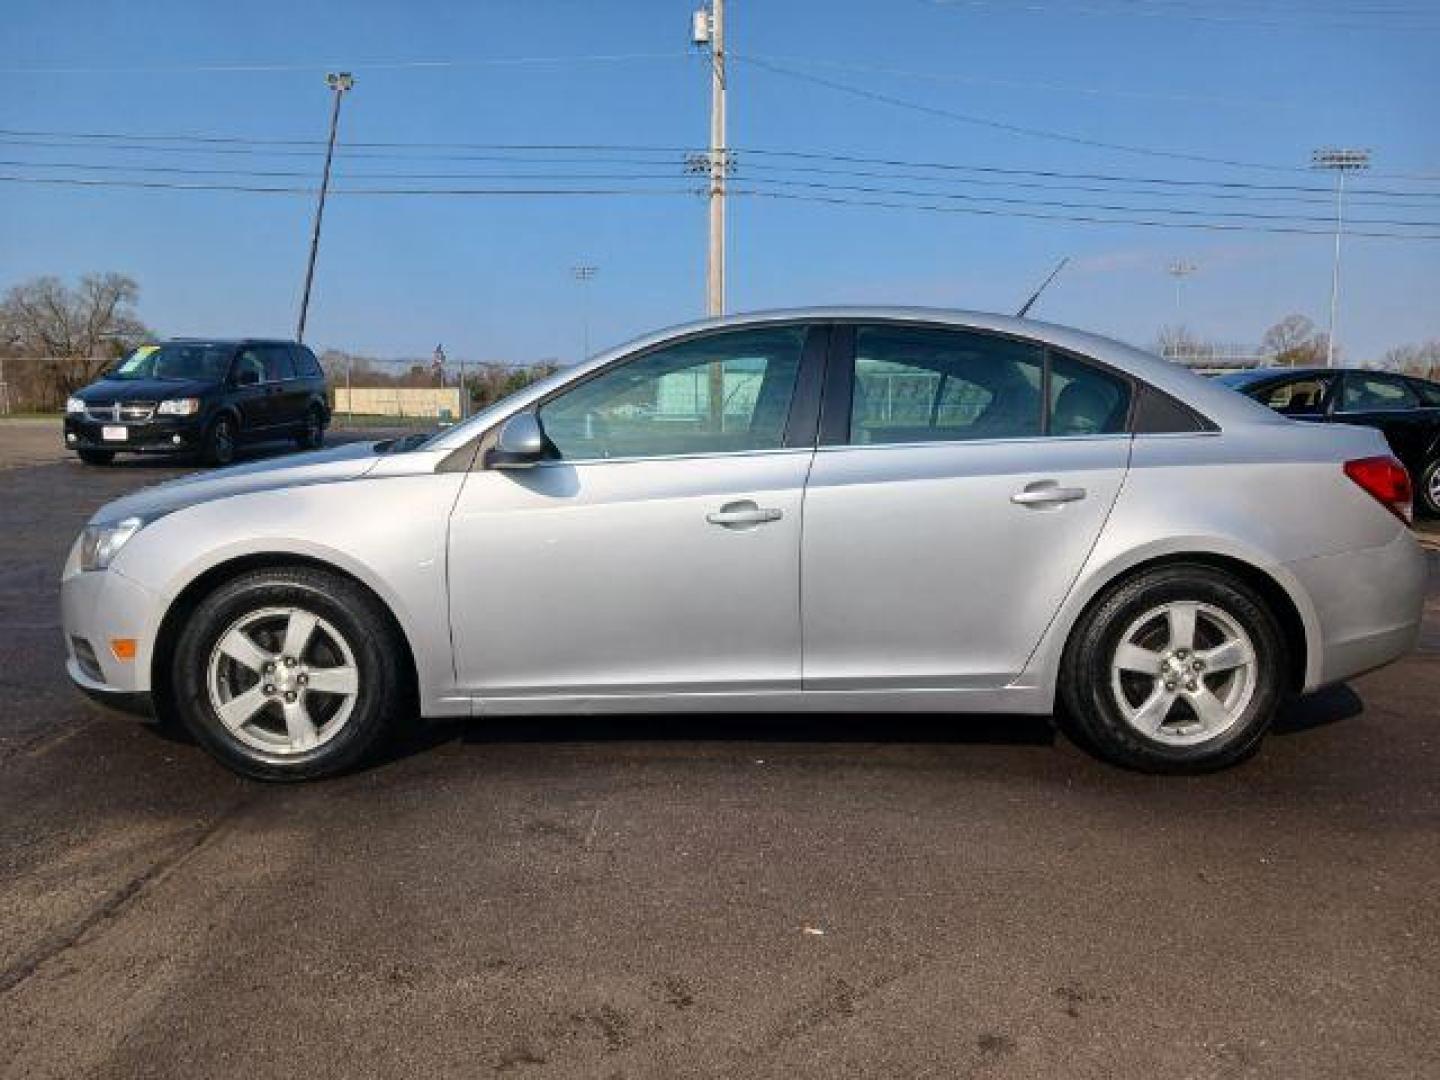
x: 1336, y: 20
x: 238, y: 67
x: 754, y: 192
x: 1020, y: 129
x: 835, y: 200
x: 545, y: 152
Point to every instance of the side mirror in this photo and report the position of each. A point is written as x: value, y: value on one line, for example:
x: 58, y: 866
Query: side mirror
x: 522, y: 443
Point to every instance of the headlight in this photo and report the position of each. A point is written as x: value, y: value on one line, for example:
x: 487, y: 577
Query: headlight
x: 74, y: 405
x: 99, y: 544
x: 183, y: 406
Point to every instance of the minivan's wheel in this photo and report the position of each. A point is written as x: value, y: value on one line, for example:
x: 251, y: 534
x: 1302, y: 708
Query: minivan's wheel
x: 1179, y: 669
x: 1427, y: 495
x: 289, y: 673
x: 312, y: 435
x: 219, y: 445
x: 96, y: 457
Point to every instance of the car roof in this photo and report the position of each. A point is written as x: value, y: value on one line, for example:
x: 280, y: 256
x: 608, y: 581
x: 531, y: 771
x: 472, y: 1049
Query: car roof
x: 229, y: 341
x: 1215, y: 401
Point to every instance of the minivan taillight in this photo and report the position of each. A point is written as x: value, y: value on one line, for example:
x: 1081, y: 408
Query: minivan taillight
x: 1387, y: 481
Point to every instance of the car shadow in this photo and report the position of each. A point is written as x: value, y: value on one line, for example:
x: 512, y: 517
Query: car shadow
x: 1313, y: 711
x: 1320, y: 709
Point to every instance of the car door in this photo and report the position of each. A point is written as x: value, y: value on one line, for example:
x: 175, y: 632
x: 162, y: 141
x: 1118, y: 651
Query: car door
x: 250, y: 391
x: 659, y: 551
x: 288, y: 396
x: 961, y: 481
x: 1379, y: 400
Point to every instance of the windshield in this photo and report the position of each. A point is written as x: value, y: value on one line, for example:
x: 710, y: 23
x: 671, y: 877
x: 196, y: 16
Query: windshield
x: 174, y: 361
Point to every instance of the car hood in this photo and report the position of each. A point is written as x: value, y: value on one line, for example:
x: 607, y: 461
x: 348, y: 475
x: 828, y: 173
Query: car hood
x: 106, y: 391
x: 296, y: 470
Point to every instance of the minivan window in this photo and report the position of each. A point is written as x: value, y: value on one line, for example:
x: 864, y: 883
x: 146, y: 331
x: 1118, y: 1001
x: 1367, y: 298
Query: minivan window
x: 173, y: 361
x: 721, y: 393
x: 932, y: 385
x: 278, y: 364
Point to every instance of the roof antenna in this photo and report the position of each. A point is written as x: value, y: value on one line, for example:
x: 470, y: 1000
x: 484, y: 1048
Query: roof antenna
x: 1025, y: 308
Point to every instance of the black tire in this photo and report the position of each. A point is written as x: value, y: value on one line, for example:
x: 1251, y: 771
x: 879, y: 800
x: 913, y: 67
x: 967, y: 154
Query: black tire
x: 218, y: 446
x: 1427, y: 490
x: 381, y: 703
x: 96, y: 457
x: 312, y: 435
x: 1091, y: 713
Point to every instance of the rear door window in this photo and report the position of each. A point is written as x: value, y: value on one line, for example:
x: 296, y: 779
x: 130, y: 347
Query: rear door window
x: 1376, y: 392
x: 278, y: 365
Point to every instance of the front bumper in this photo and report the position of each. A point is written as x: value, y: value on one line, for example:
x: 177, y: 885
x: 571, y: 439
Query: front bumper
x: 1369, y: 605
x: 159, y: 434
x: 98, y: 608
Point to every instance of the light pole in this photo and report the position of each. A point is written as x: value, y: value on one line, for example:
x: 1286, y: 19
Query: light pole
x: 1180, y: 269
x: 339, y: 83
x: 1339, y: 162
x: 708, y: 29
x: 584, y: 274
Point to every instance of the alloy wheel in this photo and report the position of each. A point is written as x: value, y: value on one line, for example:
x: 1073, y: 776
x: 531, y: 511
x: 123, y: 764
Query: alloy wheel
x: 283, y: 680
x: 1184, y: 672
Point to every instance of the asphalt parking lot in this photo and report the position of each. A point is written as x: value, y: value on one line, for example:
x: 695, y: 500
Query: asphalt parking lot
x: 743, y: 897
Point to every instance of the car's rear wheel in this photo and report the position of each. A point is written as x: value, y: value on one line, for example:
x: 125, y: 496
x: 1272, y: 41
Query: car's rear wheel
x: 1179, y: 669
x: 312, y: 435
x: 96, y: 457
x: 218, y: 447
x: 289, y: 674
x: 1427, y: 493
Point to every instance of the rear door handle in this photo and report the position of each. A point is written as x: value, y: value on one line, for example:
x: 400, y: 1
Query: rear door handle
x: 741, y: 514
x: 1044, y: 493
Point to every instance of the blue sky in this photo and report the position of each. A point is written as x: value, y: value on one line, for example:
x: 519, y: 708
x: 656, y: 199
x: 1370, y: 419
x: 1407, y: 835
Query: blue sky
x: 1262, y: 82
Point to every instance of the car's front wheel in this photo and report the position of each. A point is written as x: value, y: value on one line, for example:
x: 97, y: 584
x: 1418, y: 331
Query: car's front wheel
x: 218, y: 447
x: 289, y: 673
x: 1179, y: 669
x: 1427, y: 494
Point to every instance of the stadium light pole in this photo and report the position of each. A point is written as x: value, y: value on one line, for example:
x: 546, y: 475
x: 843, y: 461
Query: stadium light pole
x: 339, y: 82
x: 584, y: 274
x: 1338, y: 161
x: 1180, y: 269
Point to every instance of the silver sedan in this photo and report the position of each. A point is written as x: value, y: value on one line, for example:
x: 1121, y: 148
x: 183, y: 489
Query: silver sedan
x: 823, y: 510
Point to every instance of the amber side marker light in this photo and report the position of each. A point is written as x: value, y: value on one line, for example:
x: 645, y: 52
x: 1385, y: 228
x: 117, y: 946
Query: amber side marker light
x: 123, y: 648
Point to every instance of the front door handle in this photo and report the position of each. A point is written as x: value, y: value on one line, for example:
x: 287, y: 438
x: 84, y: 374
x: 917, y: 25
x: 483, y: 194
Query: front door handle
x: 1043, y: 493
x: 739, y: 515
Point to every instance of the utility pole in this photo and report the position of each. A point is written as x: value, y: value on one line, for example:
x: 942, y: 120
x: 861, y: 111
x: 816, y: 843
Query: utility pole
x: 1180, y: 269
x: 584, y: 274
x: 1339, y: 162
x: 339, y: 83
x: 708, y: 29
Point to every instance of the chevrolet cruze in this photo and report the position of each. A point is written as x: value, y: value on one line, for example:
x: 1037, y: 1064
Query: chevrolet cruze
x: 822, y: 510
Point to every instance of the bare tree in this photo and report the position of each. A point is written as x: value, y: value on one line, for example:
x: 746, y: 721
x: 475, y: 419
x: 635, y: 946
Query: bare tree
x: 1295, y: 342
x: 78, y: 330
x: 1422, y: 359
x: 1180, y: 344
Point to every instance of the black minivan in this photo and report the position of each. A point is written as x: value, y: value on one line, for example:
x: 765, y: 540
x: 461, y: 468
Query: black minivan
x: 188, y: 396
